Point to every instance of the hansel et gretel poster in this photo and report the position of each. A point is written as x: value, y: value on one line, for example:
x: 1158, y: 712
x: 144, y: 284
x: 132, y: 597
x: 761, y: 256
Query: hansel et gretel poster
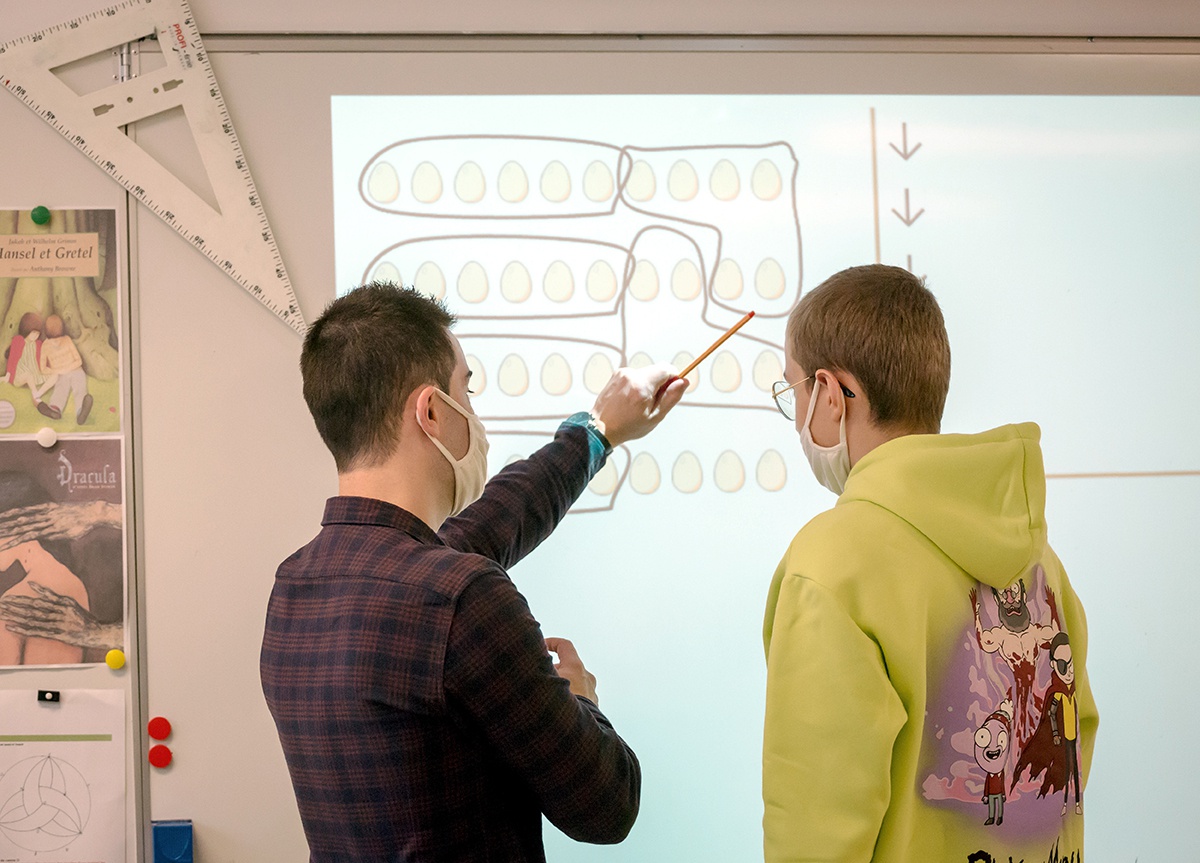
x: 58, y: 322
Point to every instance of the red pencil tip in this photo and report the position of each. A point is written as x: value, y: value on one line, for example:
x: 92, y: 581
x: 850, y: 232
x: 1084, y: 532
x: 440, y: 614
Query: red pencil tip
x: 750, y: 315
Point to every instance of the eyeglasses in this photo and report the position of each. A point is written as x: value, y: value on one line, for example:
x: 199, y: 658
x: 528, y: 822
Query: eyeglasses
x: 785, y: 396
x: 1062, y: 664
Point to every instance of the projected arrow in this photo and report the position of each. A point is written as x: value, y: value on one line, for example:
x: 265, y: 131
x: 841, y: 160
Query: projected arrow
x: 910, y: 269
x: 902, y: 151
x: 909, y: 216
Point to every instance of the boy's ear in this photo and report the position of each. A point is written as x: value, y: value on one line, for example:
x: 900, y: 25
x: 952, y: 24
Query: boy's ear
x: 831, y: 392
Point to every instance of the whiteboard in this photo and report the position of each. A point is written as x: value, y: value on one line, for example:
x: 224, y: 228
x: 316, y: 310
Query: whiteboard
x: 1032, y: 217
x: 236, y: 448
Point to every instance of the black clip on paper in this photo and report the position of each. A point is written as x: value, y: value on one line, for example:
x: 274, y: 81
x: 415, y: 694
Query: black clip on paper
x: 48, y: 696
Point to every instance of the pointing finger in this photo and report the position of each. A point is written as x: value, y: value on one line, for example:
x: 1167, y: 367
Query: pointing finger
x: 564, y: 648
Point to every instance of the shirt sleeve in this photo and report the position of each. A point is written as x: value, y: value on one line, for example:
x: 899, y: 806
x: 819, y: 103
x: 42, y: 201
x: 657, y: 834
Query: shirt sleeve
x: 522, y: 504
x: 832, y: 718
x: 499, y: 675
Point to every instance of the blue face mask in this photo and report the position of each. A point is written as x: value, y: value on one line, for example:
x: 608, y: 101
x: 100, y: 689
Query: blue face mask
x: 830, y: 464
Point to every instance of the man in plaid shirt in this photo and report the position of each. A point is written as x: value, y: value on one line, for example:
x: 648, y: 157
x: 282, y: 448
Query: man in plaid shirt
x: 421, y: 714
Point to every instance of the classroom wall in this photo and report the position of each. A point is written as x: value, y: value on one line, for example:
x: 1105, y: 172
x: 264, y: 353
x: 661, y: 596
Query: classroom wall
x: 39, y: 168
x: 230, y: 475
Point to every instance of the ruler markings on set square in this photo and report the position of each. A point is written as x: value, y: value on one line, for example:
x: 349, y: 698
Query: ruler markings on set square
x: 237, y: 239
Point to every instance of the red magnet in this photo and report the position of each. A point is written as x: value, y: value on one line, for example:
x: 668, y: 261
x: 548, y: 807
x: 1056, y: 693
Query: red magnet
x: 159, y: 728
x: 160, y: 756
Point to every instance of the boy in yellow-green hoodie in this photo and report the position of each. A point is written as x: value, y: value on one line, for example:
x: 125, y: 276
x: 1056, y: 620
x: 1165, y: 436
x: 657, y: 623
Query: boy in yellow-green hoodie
x: 927, y: 692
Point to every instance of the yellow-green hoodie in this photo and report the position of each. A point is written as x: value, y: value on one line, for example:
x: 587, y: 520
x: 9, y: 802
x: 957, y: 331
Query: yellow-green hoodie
x: 910, y: 687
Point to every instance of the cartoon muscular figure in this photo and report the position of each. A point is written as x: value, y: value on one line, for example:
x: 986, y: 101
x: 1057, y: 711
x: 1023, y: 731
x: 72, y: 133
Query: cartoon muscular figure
x: 1018, y: 639
x: 1053, y: 749
x: 991, y: 752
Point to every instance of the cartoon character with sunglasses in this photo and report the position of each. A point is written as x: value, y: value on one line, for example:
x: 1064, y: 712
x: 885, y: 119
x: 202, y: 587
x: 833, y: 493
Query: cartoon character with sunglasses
x: 1054, y: 747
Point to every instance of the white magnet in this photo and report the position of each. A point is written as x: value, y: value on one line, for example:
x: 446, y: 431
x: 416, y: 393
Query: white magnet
x: 47, y: 437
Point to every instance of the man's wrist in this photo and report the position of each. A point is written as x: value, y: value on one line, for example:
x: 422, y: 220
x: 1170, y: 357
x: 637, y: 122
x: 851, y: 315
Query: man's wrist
x: 599, y: 446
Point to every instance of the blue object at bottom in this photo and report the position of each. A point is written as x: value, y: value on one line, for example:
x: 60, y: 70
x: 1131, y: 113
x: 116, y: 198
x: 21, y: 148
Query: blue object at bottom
x: 172, y: 841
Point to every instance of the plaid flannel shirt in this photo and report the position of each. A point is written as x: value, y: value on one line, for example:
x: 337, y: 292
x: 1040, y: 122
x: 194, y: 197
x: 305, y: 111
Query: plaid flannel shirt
x: 419, y: 711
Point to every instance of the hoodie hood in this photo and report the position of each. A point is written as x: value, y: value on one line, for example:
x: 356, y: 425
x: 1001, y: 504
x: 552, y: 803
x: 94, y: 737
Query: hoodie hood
x: 980, y: 498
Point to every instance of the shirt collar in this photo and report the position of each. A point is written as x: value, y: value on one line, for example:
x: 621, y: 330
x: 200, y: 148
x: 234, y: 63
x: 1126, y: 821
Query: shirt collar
x: 379, y: 513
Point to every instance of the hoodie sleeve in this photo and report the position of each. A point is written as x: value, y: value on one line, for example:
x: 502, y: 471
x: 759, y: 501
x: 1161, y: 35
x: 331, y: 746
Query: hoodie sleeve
x: 832, y: 718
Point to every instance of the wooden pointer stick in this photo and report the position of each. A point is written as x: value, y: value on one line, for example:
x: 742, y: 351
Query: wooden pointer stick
x: 700, y: 359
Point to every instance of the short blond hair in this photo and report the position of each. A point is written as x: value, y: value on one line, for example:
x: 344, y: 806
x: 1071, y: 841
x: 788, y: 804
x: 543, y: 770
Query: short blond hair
x: 882, y: 325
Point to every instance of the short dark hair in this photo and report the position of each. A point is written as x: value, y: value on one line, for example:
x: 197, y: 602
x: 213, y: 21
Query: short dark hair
x: 1060, y: 639
x: 30, y: 321
x: 884, y: 326
x: 363, y: 358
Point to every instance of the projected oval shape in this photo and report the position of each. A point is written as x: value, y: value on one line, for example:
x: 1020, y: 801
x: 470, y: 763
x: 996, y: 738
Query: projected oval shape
x: 512, y: 184
x: 682, y: 182
x: 640, y: 360
x: 771, y: 472
x: 598, y: 182
x: 556, y: 375
x: 644, y: 284
x: 426, y: 183
x: 470, y: 184
x: 641, y: 185
x: 769, y: 281
x: 767, y: 370
x: 384, y: 184
x: 473, y: 283
x: 386, y: 272
x: 513, y: 376
x: 601, y: 282
x: 681, y: 362
x: 605, y: 481
x: 730, y: 473
x: 644, y: 475
x: 559, y: 282
x: 686, y: 474
x: 686, y: 283
x: 726, y: 372
x: 597, y: 372
x: 430, y: 281
x: 556, y: 182
x: 724, y: 181
x: 765, y: 182
x: 727, y: 284
x: 515, y: 284
x: 478, y: 381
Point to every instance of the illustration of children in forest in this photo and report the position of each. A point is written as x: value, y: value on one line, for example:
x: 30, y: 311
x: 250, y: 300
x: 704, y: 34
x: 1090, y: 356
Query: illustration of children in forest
x: 59, y: 330
x: 24, y: 362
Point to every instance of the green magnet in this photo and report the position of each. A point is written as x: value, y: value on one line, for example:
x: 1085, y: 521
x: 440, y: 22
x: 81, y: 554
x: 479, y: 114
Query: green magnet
x: 40, y: 215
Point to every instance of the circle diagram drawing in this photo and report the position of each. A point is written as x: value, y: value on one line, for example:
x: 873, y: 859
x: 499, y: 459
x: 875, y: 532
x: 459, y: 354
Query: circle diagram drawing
x: 44, y: 804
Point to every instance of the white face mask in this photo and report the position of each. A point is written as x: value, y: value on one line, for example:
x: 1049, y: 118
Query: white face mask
x: 470, y: 471
x: 830, y: 464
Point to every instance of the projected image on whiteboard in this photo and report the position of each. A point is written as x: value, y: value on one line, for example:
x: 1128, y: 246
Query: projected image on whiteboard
x: 572, y: 235
x: 586, y: 252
